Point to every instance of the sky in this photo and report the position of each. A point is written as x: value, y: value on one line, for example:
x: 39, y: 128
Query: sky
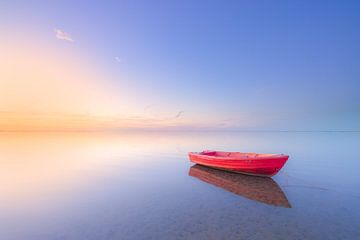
x: 183, y: 65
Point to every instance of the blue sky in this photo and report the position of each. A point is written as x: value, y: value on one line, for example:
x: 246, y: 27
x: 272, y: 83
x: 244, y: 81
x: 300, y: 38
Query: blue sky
x: 293, y: 65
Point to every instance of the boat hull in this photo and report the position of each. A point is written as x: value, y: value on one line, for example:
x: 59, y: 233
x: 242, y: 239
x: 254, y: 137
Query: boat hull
x: 266, y: 165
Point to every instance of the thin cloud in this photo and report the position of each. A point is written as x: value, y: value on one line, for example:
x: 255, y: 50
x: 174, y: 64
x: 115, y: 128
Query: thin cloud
x: 119, y: 60
x: 179, y: 114
x: 61, y: 35
x: 148, y: 107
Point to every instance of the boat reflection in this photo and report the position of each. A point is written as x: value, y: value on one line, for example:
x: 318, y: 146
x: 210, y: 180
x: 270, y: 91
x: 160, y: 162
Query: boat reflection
x: 264, y: 190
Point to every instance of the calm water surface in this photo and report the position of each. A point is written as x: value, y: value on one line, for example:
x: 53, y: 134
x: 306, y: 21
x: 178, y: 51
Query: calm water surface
x: 142, y: 186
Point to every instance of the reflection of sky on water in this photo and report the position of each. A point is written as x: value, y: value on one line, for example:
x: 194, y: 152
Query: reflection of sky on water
x: 136, y: 186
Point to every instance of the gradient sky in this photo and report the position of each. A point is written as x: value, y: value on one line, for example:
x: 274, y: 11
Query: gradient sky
x: 258, y: 65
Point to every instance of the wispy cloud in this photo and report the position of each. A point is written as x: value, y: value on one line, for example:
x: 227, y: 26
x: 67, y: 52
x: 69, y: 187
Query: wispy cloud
x: 179, y: 114
x: 119, y: 60
x: 61, y: 35
x: 148, y: 107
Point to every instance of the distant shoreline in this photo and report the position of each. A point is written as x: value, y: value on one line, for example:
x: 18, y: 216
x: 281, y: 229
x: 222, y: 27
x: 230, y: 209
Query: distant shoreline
x: 179, y: 130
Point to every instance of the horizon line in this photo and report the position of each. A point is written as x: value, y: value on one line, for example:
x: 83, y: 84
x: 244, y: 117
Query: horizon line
x: 174, y: 130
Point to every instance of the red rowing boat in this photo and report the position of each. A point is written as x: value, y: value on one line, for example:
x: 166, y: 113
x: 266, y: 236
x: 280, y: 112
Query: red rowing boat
x: 247, y: 163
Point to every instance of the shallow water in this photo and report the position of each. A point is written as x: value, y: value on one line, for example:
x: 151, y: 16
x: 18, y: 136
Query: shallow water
x: 142, y: 186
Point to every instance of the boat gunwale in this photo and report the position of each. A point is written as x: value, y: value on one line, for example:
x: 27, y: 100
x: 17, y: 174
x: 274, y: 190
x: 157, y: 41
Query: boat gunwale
x: 229, y: 158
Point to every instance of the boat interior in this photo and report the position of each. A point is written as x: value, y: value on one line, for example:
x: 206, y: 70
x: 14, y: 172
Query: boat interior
x: 234, y: 154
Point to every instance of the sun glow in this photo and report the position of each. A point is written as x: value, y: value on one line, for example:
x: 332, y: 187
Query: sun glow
x: 44, y: 88
x: 51, y: 86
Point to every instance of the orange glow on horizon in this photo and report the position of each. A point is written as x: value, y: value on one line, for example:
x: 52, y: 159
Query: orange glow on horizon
x: 46, y: 86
